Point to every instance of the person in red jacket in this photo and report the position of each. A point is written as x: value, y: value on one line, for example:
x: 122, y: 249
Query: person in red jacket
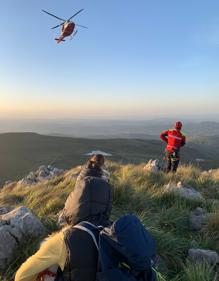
x: 175, y: 140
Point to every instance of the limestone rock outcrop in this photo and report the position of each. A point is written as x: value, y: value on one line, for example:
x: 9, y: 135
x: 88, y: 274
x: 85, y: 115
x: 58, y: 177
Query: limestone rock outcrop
x: 152, y: 166
x: 201, y: 255
x: 15, y: 226
x: 43, y: 173
x: 184, y: 191
x: 198, y: 219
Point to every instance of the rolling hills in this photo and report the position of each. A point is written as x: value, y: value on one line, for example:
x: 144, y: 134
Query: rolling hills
x: 22, y: 152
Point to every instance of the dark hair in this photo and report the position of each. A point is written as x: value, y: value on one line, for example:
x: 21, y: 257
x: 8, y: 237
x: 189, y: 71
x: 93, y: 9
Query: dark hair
x: 96, y: 161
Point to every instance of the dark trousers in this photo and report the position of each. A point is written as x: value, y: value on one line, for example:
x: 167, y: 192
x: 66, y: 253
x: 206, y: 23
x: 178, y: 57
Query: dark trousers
x: 172, y: 161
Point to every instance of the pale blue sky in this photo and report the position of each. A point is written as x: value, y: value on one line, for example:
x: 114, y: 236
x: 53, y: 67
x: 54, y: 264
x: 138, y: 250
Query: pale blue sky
x: 138, y: 59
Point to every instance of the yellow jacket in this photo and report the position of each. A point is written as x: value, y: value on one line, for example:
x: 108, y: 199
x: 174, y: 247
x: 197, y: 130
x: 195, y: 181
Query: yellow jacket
x: 52, y: 252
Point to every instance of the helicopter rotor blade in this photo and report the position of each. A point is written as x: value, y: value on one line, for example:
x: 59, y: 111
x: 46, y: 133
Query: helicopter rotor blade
x: 57, y: 25
x: 53, y: 15
x: 76, y: 14
x: 82, y: 26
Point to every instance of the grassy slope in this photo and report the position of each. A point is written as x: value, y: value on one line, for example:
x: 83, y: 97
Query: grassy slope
x: 134, y: 191
x: 21, y: 153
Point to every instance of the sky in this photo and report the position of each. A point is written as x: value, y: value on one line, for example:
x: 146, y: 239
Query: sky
x: 137, y: 59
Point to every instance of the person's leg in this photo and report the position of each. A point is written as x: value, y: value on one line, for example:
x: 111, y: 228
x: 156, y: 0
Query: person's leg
x: 175, y: 161
x: 168, y: 162
x: 175, y: 165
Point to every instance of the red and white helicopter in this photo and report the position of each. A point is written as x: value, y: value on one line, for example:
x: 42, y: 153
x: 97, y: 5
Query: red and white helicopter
x: 68, y: 26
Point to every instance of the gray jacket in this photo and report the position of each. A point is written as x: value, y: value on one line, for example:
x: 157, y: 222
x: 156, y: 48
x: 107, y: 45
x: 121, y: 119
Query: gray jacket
x: 91, y: 200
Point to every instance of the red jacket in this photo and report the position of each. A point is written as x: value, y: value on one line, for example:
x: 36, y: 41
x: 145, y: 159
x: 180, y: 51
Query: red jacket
x: 174, y: 139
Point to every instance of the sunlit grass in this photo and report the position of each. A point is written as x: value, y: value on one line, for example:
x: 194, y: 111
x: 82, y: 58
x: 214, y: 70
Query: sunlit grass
x: 165, y: 215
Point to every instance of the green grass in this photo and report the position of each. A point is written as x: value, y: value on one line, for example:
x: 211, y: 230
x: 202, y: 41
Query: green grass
x: 165, y: 215
x: 199, y: 272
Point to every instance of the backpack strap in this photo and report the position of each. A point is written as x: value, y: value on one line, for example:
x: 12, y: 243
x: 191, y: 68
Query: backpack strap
x: 91, y: 229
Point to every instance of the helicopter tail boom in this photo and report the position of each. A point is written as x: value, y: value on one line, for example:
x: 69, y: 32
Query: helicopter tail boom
x: 58, y: 40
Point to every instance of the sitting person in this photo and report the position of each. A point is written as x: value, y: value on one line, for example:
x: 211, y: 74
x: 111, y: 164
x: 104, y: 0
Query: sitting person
x: 72, y: 250
x: 94, y: 168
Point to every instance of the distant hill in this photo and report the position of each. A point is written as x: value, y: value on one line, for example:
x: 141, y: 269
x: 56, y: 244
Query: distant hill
x: 105, y: 129
x: 21, y: 153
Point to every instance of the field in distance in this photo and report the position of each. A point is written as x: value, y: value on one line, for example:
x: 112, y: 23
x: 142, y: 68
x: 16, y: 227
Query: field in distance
x: 24, y: 152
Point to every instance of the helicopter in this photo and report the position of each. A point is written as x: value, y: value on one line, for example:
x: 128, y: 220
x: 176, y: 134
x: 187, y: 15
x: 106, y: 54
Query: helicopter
x: 68, y: 26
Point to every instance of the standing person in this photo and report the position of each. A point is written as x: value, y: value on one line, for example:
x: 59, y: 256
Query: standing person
x: 94, y: 168
x: 72, y: 250
x: 175, y: 140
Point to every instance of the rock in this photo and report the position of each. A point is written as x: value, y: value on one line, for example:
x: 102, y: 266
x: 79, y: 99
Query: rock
x: 199, y: 211
x: 8, y: 182
x: 27, y: 181
x: 152, y: 166
x: 44, y: 169
x: 50, y: 167
x: 43, y: 173
x: 31, y: 176
x: 8, y: 244
x: 201, y: 255
x: 57, y: 172
x: 15, y: 226
x: 198, y: 219
x: 22, y: 219
x: 184, y: 191
x: 3, y: 223
x: 183, y: 185
x: 5, y: 210
x: 30, y: 179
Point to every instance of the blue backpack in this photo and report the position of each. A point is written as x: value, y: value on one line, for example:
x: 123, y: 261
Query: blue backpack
x: 127, y: 251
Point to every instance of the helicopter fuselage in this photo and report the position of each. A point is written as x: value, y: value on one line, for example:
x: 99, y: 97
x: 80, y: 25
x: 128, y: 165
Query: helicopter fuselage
x: 67, y: 30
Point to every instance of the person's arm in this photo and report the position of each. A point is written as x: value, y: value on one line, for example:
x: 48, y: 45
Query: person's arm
x: 52, y: 252
x: 164, y: 136
x: 183, y: 142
